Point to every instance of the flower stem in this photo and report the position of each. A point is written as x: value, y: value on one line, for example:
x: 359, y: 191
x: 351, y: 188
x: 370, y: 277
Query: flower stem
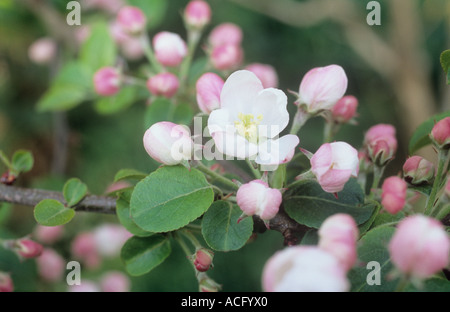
x: 193, y: 40
x: 443, y: 155
x: 377, y: 174
x: 402, y: 284
x: 191, y: 237
x: 148, y: 51
x: 216, y: 176
x: 299, y: 120
x: 255, y: 171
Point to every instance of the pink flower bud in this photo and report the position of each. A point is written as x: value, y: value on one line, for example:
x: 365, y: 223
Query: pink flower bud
x: 48, y: 234
x: 345, y: 109
x: 197, y: 14
x: 256, y: 197
x: 6, y: 283
x: 27, y: 248
x: 381, y: 143
x: 84, y: 248
x: 168, y: 143
x: 322, y: 87
x: 109, y: 239
x: 206, y: 284
x: 224, y: 34
x: 304, y: 269
x: 170, y: 48
x: 50, y: 265
x: 203, y: 259
x: 42, y: 51
x: 393, y: 196
x: 333, y: 164
x: 163, y: 84
x: 209, y: 86
x: 338, y: 235
x: 440, y: 134
x: 115, y: 282
x: 226, y: 57
x: 107, y: 81
x: 131, y: 19
x: 265, y: 73
x: 417, y: 170
x: 420, y: 246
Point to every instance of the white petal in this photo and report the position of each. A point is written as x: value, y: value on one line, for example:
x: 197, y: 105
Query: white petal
x: 219, y: 120
x: 274, y: 152
x: 234, y: 145
x: 271, y: 106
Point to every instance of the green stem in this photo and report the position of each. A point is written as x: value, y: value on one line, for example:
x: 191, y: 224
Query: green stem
x: 377, y: 174
x: 404, y: 281
x: 443, y: 155
x: 148, y: 51
x: 183, y: 246
x: 255, y: 171
x: 191, y: 237
x: 5, y: 160
x: 299, y: 120
x: 216, y: 176
x: 193, y: 40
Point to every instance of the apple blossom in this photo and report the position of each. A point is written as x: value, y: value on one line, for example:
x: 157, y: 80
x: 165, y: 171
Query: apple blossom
x: 345, y: 109
x: 304, y: 269
x: 170, y: 48
x: 50, y: 265
x: 131, y: 19
x: 393, y: 196
x: 266, y: 73
x: 208, y: 87
x: 168, y: 143
x: 48, y: 234
x: 107, y: 81
x: 440, y: 134
x: 381, y: 143
x: 6, y: 282
x: 338, y: 235
x: 203, y: 259
x: 417, y: 170
x: 226, y: 56
x: 43, y: 50
x: 226, y: 33
x: 115, y: 281
x: 322, y: 87
x: 109, y: 239
x: 334, y: 164
x: 257, y: 198
x: 84, y: 248
x: 249, y: 120
x: 163, y: 84
x: 25, y: 248
x: 197, y: 14
x: 420, y: 246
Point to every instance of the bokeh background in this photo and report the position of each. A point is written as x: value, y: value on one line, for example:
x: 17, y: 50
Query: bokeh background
x: 393, y: 70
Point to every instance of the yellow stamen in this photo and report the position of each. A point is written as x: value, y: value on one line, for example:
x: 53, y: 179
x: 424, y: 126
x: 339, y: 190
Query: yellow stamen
x: 247, y: 126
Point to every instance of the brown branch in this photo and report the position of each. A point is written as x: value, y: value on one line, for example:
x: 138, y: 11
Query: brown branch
x: 31, y: 197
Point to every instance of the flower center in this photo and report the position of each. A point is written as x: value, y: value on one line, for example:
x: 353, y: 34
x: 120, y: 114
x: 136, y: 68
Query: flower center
x: 247, y: 126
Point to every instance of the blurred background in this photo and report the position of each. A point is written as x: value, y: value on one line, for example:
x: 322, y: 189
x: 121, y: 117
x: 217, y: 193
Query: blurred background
x: 393, y: 70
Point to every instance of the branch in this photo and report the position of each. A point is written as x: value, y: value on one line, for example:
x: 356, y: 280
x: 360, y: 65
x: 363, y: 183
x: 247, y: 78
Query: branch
x: 31, y: 197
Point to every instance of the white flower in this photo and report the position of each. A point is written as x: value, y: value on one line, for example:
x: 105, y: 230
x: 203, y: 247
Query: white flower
x: 250, y: 119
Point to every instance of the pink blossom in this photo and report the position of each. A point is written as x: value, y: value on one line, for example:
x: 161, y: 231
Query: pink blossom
x: 131, y: 19
x: 84, y: 248
x: 381, y: 143
x: 417, y: 170
x: 440, y: 134
x: 256, y: 197
x: 168, y: 143
x: 420, y: 246
x: 203, y: 259
x: 393, y: 196
x: 107, y: 81
x: 115, y: 281
x: 197, y: 14
x: 109, y: 239
x: 163, y: 84
x: 226, y: 56
x: 334, y: 164
x: 266, y: 73
x: 51, y: 266
x: 48, y: 234
x: 208, y: 87
x: 6, y: 282
x: 170, y: 48
x: 304, y: 269
x: 338, y: 235
x: 27, y: 248
x: 345, y: 109
x: 226, y: 33
x: 322, y: 87
x: 43, y: 50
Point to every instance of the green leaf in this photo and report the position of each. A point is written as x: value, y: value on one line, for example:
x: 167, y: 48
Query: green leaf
x: 308, y: 204
x: 143, y: 254
x: 74, y: 191
x: 278, y: 178
x: 183, y: 114
x: 221, y: 230
x: 445, y: 63
x: 170, y: 198
x: 5, y: 212
x: 127, y: 174
x: 163, y: 109
x: 127, y: 96
x: 99, y: 50
x: 50, y: 212
x: 373, y: 247
x: 420, y: 137
x: 124, y: 215
x: 154, y: 10
x: 22, y: 161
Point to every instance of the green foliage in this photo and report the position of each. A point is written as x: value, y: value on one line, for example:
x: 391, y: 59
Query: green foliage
x: 127, y: 96
x: 50, y: 212
x: 445, y: 63
x: 221, y: 230
x: 162, y: 109
x: 154, y: 10
x: 124, y: 214
x: 74, y: 191
x: 22, y: 161
x: 170, y: 198
x: 126, y: 174
x: 143, y: 254
x: 308, y: 204
x: 99, y: 50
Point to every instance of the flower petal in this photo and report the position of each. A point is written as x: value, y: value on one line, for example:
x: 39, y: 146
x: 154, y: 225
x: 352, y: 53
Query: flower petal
x: 234, y: 145
x: 274, y: 152
x: 271, y: 106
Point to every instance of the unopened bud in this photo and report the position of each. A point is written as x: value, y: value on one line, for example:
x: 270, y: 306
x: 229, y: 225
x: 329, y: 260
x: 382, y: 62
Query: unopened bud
x: 6, y: 283
x: 26, y: 248
x: 131, y: 19
x: 170, y: 48
x: 163, y: 84
x: 417, y: 170
x: 266, y: 73
x: 226, y: 33
x: 206, y: 284
x: 393, y: 196
x: 203, y: 259
x: 208, y: 87
x: 440, y: 134
x: 42, y: 51
x: 107, y: 81
x: 197, y: 14
x: 345, y: 109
